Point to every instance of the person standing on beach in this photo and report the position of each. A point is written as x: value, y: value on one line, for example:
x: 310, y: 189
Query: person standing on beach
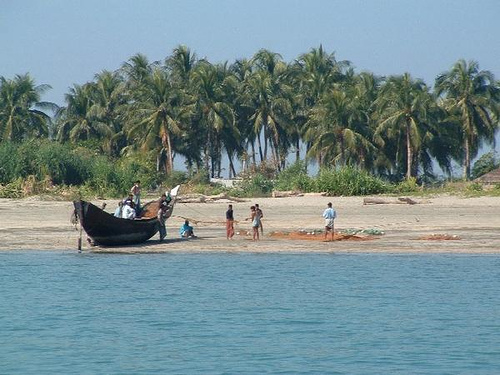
x: 229, y: 222
x: 254, y: 216
x: 261, y: 215
x: 162, y: 216
x: 329, y: 215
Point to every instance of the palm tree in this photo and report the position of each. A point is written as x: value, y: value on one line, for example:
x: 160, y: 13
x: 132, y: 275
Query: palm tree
x: 77, y: 121
x: 215, y: 113
x: 319, y: 72
x: 181, y: 64
x: 270, y: 100
x: 110, y: 100
x: 137, y: 70
x: 312, y: 75
x: 472, y: 97
x: 403, y: 107
x: 338, y: 131
x: 20, y: 117
x: 157, y: 116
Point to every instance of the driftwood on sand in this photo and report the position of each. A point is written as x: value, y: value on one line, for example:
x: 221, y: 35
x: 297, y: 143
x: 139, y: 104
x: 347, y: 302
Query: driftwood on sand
x: 286, y: 193
x: 401, y: 200
x: 200, y: 198
x: 293, y: 193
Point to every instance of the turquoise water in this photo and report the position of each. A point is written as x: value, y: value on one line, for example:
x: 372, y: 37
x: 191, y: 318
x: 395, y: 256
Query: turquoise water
x: 69, y: 313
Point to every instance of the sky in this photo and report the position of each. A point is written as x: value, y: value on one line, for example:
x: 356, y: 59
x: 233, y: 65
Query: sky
x: 63, y: 42
x: 67, y: 42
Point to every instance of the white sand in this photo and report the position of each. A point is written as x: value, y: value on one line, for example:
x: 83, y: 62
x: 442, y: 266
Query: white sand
x: 31, y: 224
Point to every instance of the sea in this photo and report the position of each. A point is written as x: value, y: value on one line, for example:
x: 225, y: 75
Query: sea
x: 248, y: 313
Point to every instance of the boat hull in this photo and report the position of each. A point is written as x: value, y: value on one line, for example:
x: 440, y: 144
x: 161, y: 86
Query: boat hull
x: 108, y: 230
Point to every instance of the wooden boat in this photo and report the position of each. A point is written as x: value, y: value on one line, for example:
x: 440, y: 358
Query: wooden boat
x: 105, y: 229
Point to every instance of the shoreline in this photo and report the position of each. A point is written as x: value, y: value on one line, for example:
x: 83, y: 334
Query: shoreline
x: 471, y: 226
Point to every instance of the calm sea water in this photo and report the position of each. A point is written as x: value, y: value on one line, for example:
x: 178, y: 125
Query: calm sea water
x: 69, y: 313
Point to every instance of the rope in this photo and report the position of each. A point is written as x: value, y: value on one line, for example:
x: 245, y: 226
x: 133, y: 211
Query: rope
x: 213, y: 220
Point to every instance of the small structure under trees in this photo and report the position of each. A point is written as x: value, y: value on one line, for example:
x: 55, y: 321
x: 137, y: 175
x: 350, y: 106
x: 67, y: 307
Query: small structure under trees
x: 490, y: 178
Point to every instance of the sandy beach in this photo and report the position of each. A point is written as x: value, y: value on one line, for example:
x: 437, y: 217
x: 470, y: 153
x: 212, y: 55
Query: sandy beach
x: 472, y: 225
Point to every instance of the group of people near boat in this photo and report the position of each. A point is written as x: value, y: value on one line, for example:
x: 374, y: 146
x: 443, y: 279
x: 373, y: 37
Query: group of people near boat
x: 130, y: 207
x: 256, y: 215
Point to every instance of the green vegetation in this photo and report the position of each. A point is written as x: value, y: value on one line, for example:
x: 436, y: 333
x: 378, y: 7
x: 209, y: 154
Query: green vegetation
x: 367, y: 134
x: 485, y: 164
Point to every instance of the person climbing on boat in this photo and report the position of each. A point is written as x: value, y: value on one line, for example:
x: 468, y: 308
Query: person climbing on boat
x: 135, y: 191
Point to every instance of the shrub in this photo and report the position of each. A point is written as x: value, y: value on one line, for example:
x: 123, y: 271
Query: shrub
x: 349, y: 181
x: 474, y: 187
x: 13, y: 189
x: 407, y: 186
x: 9, y: 162
x: 201, y: 177
x: 484, y: 164
x: 295, y: 177
x: 175, y: 178
x: 256, y: 185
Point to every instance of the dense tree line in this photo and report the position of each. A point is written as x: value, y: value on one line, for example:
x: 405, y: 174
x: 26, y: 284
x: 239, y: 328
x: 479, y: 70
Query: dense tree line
x: 261, y: 110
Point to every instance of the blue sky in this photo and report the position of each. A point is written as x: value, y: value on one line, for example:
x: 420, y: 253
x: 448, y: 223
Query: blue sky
x: 61, y: 42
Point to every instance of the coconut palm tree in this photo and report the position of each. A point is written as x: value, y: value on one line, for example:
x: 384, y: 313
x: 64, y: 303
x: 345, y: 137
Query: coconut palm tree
x: 338, y: 131
x: 110, y: 100
x: 77, y: 121
x: 181, y: 64
x: 157, y: 115
x: 136, y: 71
x: 312, y: 75
x: 215, y: 113
x: 402, y: 110
x: 21, y: 111
x: 270, y: 99
x: 319, y: 72
x: 472, y: 98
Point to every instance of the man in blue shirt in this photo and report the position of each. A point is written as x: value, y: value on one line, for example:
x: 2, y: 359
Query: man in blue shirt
x: 186, y: 230
x: 329, y: 215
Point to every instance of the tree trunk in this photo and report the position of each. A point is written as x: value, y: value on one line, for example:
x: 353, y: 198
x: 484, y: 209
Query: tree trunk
x: 409, y: 156
x: 170, y: 157
x: 297, y: 150
x: 207, y: 153
x: 265, y: 144
x: 466, y: 174
x: 254, y: 160
x: 231, y: 167
x: 260, y: 149
x: 276, y: 155
x: 342, y: 151
x: 219, y: 167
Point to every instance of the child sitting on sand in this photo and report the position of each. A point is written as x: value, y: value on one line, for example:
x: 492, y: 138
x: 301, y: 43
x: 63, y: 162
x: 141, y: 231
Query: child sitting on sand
x: 186, y: 230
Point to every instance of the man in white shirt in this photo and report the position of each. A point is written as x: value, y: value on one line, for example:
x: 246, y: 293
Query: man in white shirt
x: 329, y: 215
x: 128, y: 211
x: 119, y: 209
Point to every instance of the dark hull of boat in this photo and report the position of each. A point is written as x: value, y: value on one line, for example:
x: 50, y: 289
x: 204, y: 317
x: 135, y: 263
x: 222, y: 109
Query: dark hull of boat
x: 105, y: 229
